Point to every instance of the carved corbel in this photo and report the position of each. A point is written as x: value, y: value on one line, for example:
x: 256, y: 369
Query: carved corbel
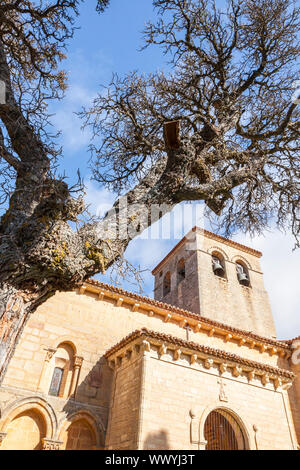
x: 119, y: 301
x: 251, y: 375
x: 197, y: 327
x: 286, y: 384
x: 162, y: 350
x: 167, y: 318
x: 177, y: 354
x: 237, y: 370
x: 208, y: 363
x: 100, y: 295
x: 228, y: 337
x: 145, y: 346
x: 265, y: 379
x: 193, y: 358
x: 277, y: 383
x: 211, y: 332
x: 223, y: 367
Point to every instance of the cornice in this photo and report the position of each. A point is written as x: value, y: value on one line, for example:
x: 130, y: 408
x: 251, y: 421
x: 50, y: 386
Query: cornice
x: 146, y: 341
x: 185, y: 318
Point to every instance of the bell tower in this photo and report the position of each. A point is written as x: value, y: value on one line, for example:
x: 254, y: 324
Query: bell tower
x: 217, y: 278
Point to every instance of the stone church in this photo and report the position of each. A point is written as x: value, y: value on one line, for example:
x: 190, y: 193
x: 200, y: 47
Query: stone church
x: 198, y: 367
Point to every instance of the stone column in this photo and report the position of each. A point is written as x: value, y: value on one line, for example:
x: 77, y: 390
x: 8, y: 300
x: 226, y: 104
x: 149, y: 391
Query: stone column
x: 77, y: 366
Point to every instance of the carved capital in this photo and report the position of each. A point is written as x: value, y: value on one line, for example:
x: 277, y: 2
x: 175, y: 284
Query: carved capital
x: 49, y: 354
x: 78, y: 361
x: 51, y: 444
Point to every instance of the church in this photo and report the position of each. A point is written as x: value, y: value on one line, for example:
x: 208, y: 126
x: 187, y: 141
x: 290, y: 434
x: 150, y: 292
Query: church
x: 197, y: 367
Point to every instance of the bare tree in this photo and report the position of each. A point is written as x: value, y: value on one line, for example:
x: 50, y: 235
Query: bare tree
x: 219, y: 127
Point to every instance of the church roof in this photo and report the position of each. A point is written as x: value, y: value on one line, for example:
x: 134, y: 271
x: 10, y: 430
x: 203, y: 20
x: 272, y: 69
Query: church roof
x: 166, y: 338
x: 147, y: 301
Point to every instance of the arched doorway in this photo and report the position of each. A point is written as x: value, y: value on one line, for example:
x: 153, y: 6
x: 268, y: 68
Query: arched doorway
x: 79, y: 436
x: 223, y: 432
x: 25, y: 432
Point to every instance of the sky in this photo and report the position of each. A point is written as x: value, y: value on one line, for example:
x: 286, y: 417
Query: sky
x: 109, y: 43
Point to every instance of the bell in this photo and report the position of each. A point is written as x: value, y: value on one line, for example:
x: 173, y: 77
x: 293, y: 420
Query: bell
x: 243, y: 278
x: 217, y: 267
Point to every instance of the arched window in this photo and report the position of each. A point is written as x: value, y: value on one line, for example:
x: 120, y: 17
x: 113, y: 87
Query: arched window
x: 242, y: 273
x: 63, y: 371
x: 218, y: 265
x: 180, y: 270
x: 167, y: 283
x: 223, y: 432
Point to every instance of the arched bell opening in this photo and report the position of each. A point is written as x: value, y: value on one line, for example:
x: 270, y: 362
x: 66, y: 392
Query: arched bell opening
x: 242, y: 273
x: 218, y: 265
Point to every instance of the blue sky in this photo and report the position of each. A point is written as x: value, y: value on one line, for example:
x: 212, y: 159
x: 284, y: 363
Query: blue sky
x: 109, y: 43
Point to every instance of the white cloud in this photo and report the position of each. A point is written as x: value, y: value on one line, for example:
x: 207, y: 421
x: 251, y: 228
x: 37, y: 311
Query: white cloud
x: 65, y: 119
x: 85, y: 74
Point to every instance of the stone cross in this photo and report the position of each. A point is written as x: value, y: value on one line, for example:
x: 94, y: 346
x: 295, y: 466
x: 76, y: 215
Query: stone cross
x: 222, y: 394
x: 187, y: 329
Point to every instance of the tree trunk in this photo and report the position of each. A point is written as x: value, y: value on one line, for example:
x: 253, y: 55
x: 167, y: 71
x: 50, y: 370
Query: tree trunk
x: 15, y: 308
